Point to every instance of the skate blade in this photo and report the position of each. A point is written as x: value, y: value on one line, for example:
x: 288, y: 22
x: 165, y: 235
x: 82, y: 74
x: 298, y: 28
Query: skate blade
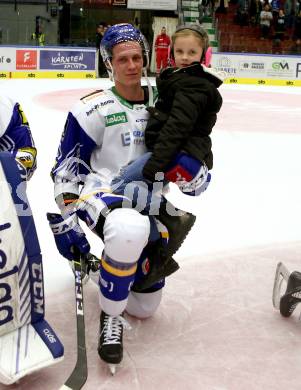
x: 112, y: 368
x: 282, y: 274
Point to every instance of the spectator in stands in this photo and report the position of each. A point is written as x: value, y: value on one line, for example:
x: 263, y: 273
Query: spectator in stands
x: 277, y: 47
x: 265, y: 21
x: 100, y: 30
x: 221, y: 6
x: 275, y: 4
x: 243, y: 12
x: 205, y: 9
x: 266, y: 2
x: 162, y: 44
x: 280, y: 26
x: 255, y: 9
x: 289, y: 10
x: 296, y: 47
x: 297, y: 27
x: 38, y: 36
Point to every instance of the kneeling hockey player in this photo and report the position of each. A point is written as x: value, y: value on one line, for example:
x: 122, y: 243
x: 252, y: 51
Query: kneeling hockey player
x: 103, y: 133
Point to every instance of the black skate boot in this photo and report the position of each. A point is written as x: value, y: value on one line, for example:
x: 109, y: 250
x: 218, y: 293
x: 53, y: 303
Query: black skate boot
x: 110, y: 348
x: 292, y: 296
x: 161, y: 263
x: 178, y: 226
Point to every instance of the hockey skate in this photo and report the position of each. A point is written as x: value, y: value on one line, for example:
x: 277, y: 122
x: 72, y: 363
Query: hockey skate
x: 292, y: 295
x: 110, y: 345
x: 282, y: 275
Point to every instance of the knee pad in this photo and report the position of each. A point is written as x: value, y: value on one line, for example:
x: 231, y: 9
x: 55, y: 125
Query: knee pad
x: 126, y: 233
x: 143, y: 305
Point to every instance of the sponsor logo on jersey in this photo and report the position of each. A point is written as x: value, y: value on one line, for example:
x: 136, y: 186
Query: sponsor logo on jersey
x: 138, y: 137
x: 116, y: 119
x: 141, y: 120
x: 126, y: 138
x: 98, y: 105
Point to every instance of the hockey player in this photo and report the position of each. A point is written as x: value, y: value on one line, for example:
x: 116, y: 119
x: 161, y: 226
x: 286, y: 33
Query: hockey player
x: 27, y: 342
x: 104, y: 132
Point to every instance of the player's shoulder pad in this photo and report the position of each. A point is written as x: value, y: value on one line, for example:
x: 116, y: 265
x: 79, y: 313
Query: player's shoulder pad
x: 6, y: 110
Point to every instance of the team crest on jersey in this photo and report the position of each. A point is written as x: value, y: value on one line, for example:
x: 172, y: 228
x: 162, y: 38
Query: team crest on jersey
x: 116, y: 119
x: 145, y: 266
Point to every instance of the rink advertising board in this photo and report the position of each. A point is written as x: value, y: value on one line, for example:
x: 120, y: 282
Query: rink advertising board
x: 259, y: 69
x: 42, y: 62
x: 7, y: 59
x: 67, y: 60
x: 169, y: 5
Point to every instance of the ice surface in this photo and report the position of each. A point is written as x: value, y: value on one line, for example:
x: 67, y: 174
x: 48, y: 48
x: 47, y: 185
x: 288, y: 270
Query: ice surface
x: 216, y: 328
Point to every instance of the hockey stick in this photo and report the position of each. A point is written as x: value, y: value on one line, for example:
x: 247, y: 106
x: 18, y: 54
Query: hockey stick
x: 282, y: 274
x: 79, y: 374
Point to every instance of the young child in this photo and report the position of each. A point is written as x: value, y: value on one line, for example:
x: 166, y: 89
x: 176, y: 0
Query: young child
x: 179, y: 127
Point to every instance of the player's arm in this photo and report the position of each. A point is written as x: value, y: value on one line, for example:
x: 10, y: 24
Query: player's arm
x: 72, y: 162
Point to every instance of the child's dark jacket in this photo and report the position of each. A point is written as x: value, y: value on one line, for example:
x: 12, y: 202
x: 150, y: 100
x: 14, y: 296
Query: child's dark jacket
x: 183, y: 116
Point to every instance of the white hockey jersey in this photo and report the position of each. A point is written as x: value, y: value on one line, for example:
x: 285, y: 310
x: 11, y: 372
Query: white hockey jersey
x: 103, y: 132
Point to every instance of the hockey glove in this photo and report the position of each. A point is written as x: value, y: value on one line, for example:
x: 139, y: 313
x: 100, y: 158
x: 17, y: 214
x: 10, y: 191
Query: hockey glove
x: 26, y: 159
x: 68, y: 233
x: 190, y: 175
